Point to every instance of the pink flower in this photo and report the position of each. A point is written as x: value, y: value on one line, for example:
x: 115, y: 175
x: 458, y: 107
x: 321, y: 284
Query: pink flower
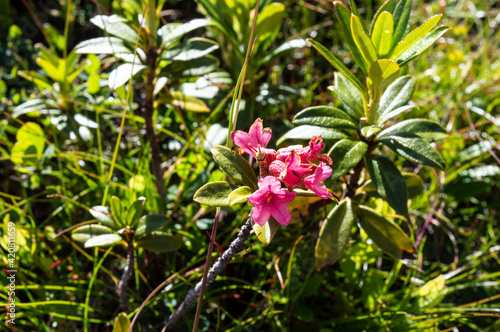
x: 313, y: 182
x: 292, y: 171
x: 270, y: 200
x: 256, y: 137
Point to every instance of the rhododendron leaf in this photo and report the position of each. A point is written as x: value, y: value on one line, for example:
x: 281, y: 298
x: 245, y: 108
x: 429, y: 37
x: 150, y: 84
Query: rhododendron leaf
x: 344, y: 16
x: 122, y: 323
x: 388, y: 181
x: 345, y: 155
x: 414, y: 184
x: 363, y: 42
x: 188, y: 103
x: 397, y: 94
x: 382, y: 34
x: 427, y: 129
x: 387, y: 235
x: 150, y: 223
x: 102, y: 214
x: 159, y: 242
x: 266, y: 233
x: 239, y: 195
x: 235, y: 166
x: 104, y: 240
x: 86, y: 232
x: 382, y: 73
x: 401, y: 14
x: 117, y: 211
x: 134, y: 212
x: 324, y: 116
x: 334, y: 234
x: 369, y: 132
x: 304, y: 133
x: 214, y: 194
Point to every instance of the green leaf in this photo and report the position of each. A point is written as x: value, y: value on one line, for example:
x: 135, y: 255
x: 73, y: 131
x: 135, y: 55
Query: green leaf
x: 281, y: 50
x: 401, y: 14
x: 188, y: 103
x: 268, y: 25
x: 344, y: 16
x: 150, y: 223
x: 39, y: 106
x: 431, y: 294
x: 195, y: 67
x: 266, y: 233
x: 304, y: 133
x: 387, y: 235
x: 387, y: 116
x: 86, y: 232
x: 334, y: 234
x: 386, y: 6
x: 134, y: 212
x: 382, y: 34
x: 345, y: 155
x: 122, y: 323
x: 30, y: 141
x: 415, y: 36
x: 123, y: 73
x: 117, y: 211
x: 382, y: 73
x: 363, y: 42
x: 337, y: 64
x: 103, y: 45
x: 397, y: 94
x: 235, y: 166
x: 159, y: 242
x: 239, y: 195
x: 414, y: 148
x: 421, y: 45
x: 349, y: 96
x: 413, y: 182
x: 102, y: 214
x: 116, y: 26
x: 104, y: 240
x: 324, y: 116
x: 214, y: 194
x: 41, y: 81
x: 52, y: 71
x: 427, y: 129
x: 369, y: 132
x: 171, y: 33
x: 192, y: 49
x: 389, y: 182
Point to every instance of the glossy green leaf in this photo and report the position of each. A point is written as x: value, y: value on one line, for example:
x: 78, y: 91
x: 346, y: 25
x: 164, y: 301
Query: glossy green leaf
x: 116, y: 26
x: 382, y: 74
x: 159, y: 242
x: 104, y: 240
x: 334, y: 234
x: 192, y: 49
x: 415, y: 36
x: 387, y: 116
x: 121, y: 323
x: 239, y: 195
x: 150, y: 223
x: 344, y: 16
x: 324, y: 116
x: 214, y: 194
x: 102, y: 214
x: 386, y: 7
x: 427, y: 129
x: 117, y: 211
x: 397, y: 94
x: 382, y: 34
x: 193, y: 68
x: 235, y: 166
x: 268, y: 25
x: 421, y: 45
x: 387, y: 235
x: 388, y: 181
x: 123, y: 73
x: 413, y: 182
x: 345, y: 155
x: 401, y: 14
x: 172, y: 32
x: 84, y: 233
x: 363, y: 42
x: 349, y: 96
x: 266, y: 233
x: 414, y: 148
x: 188, y: 103
x: 103, y: 45
x: 304, y: 133
x: 336, y: 63
x: 134, y: 212
x: 369, y: 132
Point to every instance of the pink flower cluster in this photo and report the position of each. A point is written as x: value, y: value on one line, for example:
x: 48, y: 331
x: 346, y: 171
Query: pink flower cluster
x: 294, y: 166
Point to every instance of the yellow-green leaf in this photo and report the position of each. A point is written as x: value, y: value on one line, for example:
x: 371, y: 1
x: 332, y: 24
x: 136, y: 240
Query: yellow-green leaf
x: 382, y: 74
x: 382, y: 34
x: 239, y: 195
x: 363, y: 42
x: 214, y: 194
x: 122, y: 323
x: 266, y: 233
x: 415, y: 36
x: 185, y: 102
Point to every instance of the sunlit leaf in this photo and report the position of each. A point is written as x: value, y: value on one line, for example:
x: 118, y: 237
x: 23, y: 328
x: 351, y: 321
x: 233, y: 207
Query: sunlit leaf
x: 239, y: 195
x: 382, y: 34
x: 104, y: 240
x: 324, y: 116
x: 266, y: 233
x: 345, y: 155
x: 235, y: 166
x: 214, y: 194
x: 86, y: 232
x: 363, y: 42
x: 424, y: 128
x: 304, y: 133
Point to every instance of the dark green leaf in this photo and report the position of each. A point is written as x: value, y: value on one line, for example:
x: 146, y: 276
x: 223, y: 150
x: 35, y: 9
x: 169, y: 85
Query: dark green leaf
x: 389, y: 182
x: 117, y: 211
x: 386, y: 116
x: 344, y: 16
x: 401, y: 13
x: 239, y: 195
x: 196, y: 67
x: 345, y: 155
x: 414, y: 148
x: 102, y: 214
x: 159, y: 242
x: 134, y: 212
x: 397, y: 94
x: 334, y: 234
x: 304, y: 133
x: 428, y: 129
x: 369, y: 132
x: 105, y: 240
x: 414, y: 184
x: 324, y: 116
x: 387, y: 235
x: 86, y: 232
x: 192, y: 49
x: 214, y: 194
x: 235, y: 166
x: 150, y: 223
x: 349, y: 96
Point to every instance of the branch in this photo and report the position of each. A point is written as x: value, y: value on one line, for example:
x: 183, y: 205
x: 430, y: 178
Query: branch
x: 216, y: 269
x: 127, y: 273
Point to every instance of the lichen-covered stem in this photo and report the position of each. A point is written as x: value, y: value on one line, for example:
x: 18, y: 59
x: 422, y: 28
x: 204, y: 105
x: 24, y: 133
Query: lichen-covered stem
x: 216, y: 269
x: 127, y: 273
